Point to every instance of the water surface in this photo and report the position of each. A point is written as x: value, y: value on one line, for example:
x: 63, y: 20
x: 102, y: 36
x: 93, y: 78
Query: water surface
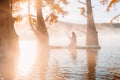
x: 65, y: 64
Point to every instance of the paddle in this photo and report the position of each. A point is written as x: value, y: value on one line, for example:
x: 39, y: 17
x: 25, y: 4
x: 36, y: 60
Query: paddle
x: 68, y: 35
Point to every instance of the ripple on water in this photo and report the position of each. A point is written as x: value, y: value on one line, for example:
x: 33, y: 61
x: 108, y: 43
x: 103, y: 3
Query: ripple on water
x: 66, y: 65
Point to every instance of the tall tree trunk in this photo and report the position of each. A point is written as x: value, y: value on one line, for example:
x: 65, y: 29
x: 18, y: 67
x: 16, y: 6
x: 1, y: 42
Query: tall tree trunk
x: 42, y: 33
x: 8, y: 36
x: 8, y: 41
x: 92, y: 36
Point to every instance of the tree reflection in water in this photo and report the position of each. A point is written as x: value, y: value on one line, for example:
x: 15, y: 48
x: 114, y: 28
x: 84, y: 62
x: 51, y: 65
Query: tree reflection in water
x: 40, y: 67
x: 43, y: 58
x: 8, y: 66
x: 91, y: 62
x: 56, y: 74
x: 64, y: 65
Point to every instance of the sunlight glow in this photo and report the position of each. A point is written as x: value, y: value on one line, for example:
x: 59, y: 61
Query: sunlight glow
x: 27, y: 56
x: 24, y: 9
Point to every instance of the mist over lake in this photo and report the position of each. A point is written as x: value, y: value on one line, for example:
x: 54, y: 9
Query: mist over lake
x: 79, y: 64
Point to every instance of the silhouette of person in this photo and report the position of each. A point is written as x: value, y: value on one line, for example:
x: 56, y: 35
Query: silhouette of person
x: 73, y: 40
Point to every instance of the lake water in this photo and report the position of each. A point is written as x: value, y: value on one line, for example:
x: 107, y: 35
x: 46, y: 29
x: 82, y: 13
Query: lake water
x: 76, y: 64
x: 65, y: 64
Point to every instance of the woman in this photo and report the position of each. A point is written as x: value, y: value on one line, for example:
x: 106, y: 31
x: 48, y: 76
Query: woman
x: 73, y: 41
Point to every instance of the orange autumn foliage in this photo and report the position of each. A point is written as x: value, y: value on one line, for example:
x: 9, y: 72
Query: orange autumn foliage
x: 110, y: 4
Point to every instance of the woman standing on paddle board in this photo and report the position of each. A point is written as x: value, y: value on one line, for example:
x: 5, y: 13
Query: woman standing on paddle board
x: 73, y: 41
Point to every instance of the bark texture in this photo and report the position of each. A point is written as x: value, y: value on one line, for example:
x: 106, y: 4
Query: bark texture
x: 8, y: 41
x: 92, y: 35
x: 41, y: 30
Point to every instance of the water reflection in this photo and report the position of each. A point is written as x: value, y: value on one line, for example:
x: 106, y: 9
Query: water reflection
x: 68, y: 65
x: 91, y: 62
x: 43, y: 58
x: 108, y: 64
x: 74, y: 64
x: 8, y: 64
x: 73, y: 54
x: 26, y: 59
x: 56, y: 73
x: 62, y: 64
x: 40, y: 66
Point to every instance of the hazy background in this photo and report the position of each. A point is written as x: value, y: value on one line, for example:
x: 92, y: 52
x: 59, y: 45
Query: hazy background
x: 107, y: 33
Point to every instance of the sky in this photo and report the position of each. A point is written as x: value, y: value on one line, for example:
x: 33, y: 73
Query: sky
x: 99, y: 12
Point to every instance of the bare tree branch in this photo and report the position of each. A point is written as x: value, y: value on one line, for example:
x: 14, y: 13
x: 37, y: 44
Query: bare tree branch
x: 114, y: 18
x: 29, y: 16
x: 81, y: 31
x: 82, y: 11
x: 81, y: 2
